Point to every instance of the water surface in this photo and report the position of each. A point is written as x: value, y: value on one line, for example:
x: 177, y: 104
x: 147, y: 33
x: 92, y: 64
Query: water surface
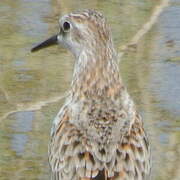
x: 31, y: 85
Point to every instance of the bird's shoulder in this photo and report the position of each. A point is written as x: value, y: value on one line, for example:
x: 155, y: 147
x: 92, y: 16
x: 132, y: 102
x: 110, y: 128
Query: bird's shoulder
x: 73, y: 154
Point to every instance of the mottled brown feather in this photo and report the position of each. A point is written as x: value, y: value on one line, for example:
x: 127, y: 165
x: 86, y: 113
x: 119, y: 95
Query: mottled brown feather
x: 98, y: 134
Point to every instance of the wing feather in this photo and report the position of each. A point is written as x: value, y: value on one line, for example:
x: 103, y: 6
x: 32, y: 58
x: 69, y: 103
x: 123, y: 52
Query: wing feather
x: 71, y: 157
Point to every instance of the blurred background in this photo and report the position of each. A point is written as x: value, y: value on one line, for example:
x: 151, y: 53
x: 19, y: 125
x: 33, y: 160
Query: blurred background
x: 32, y: 85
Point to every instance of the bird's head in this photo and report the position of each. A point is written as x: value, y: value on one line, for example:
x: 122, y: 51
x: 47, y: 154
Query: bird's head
x: 86, y: 30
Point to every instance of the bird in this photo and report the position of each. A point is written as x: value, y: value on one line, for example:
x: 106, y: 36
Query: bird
x: 98, y: 133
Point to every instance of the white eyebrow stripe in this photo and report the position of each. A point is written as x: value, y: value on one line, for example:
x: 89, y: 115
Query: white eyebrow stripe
x: 77, y: 15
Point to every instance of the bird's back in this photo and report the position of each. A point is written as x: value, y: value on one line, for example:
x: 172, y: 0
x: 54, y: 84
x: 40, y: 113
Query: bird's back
x: 107, y: 145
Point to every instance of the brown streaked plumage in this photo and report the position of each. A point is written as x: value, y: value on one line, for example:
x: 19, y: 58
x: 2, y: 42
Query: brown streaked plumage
x: 98, y: 134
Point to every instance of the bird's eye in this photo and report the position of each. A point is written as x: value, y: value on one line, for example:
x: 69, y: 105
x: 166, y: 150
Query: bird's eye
x: 66, y: 26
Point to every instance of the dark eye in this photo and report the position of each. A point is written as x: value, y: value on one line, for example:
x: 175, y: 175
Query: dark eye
x: 66, y: 26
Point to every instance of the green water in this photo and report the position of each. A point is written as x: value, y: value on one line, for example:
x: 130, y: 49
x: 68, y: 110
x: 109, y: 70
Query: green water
x: 31, y: 85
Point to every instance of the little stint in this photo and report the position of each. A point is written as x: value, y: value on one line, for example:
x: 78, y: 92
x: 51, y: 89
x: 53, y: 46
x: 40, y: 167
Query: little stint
x: 98, y: 134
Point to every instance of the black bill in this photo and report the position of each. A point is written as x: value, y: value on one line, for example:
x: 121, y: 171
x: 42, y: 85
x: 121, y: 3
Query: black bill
x: 49, y: 42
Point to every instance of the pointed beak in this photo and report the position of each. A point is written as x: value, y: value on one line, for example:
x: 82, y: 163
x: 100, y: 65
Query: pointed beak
x: 49, y: 42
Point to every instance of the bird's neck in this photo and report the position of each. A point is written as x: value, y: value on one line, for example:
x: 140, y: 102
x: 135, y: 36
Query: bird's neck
x: 97, y: 75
